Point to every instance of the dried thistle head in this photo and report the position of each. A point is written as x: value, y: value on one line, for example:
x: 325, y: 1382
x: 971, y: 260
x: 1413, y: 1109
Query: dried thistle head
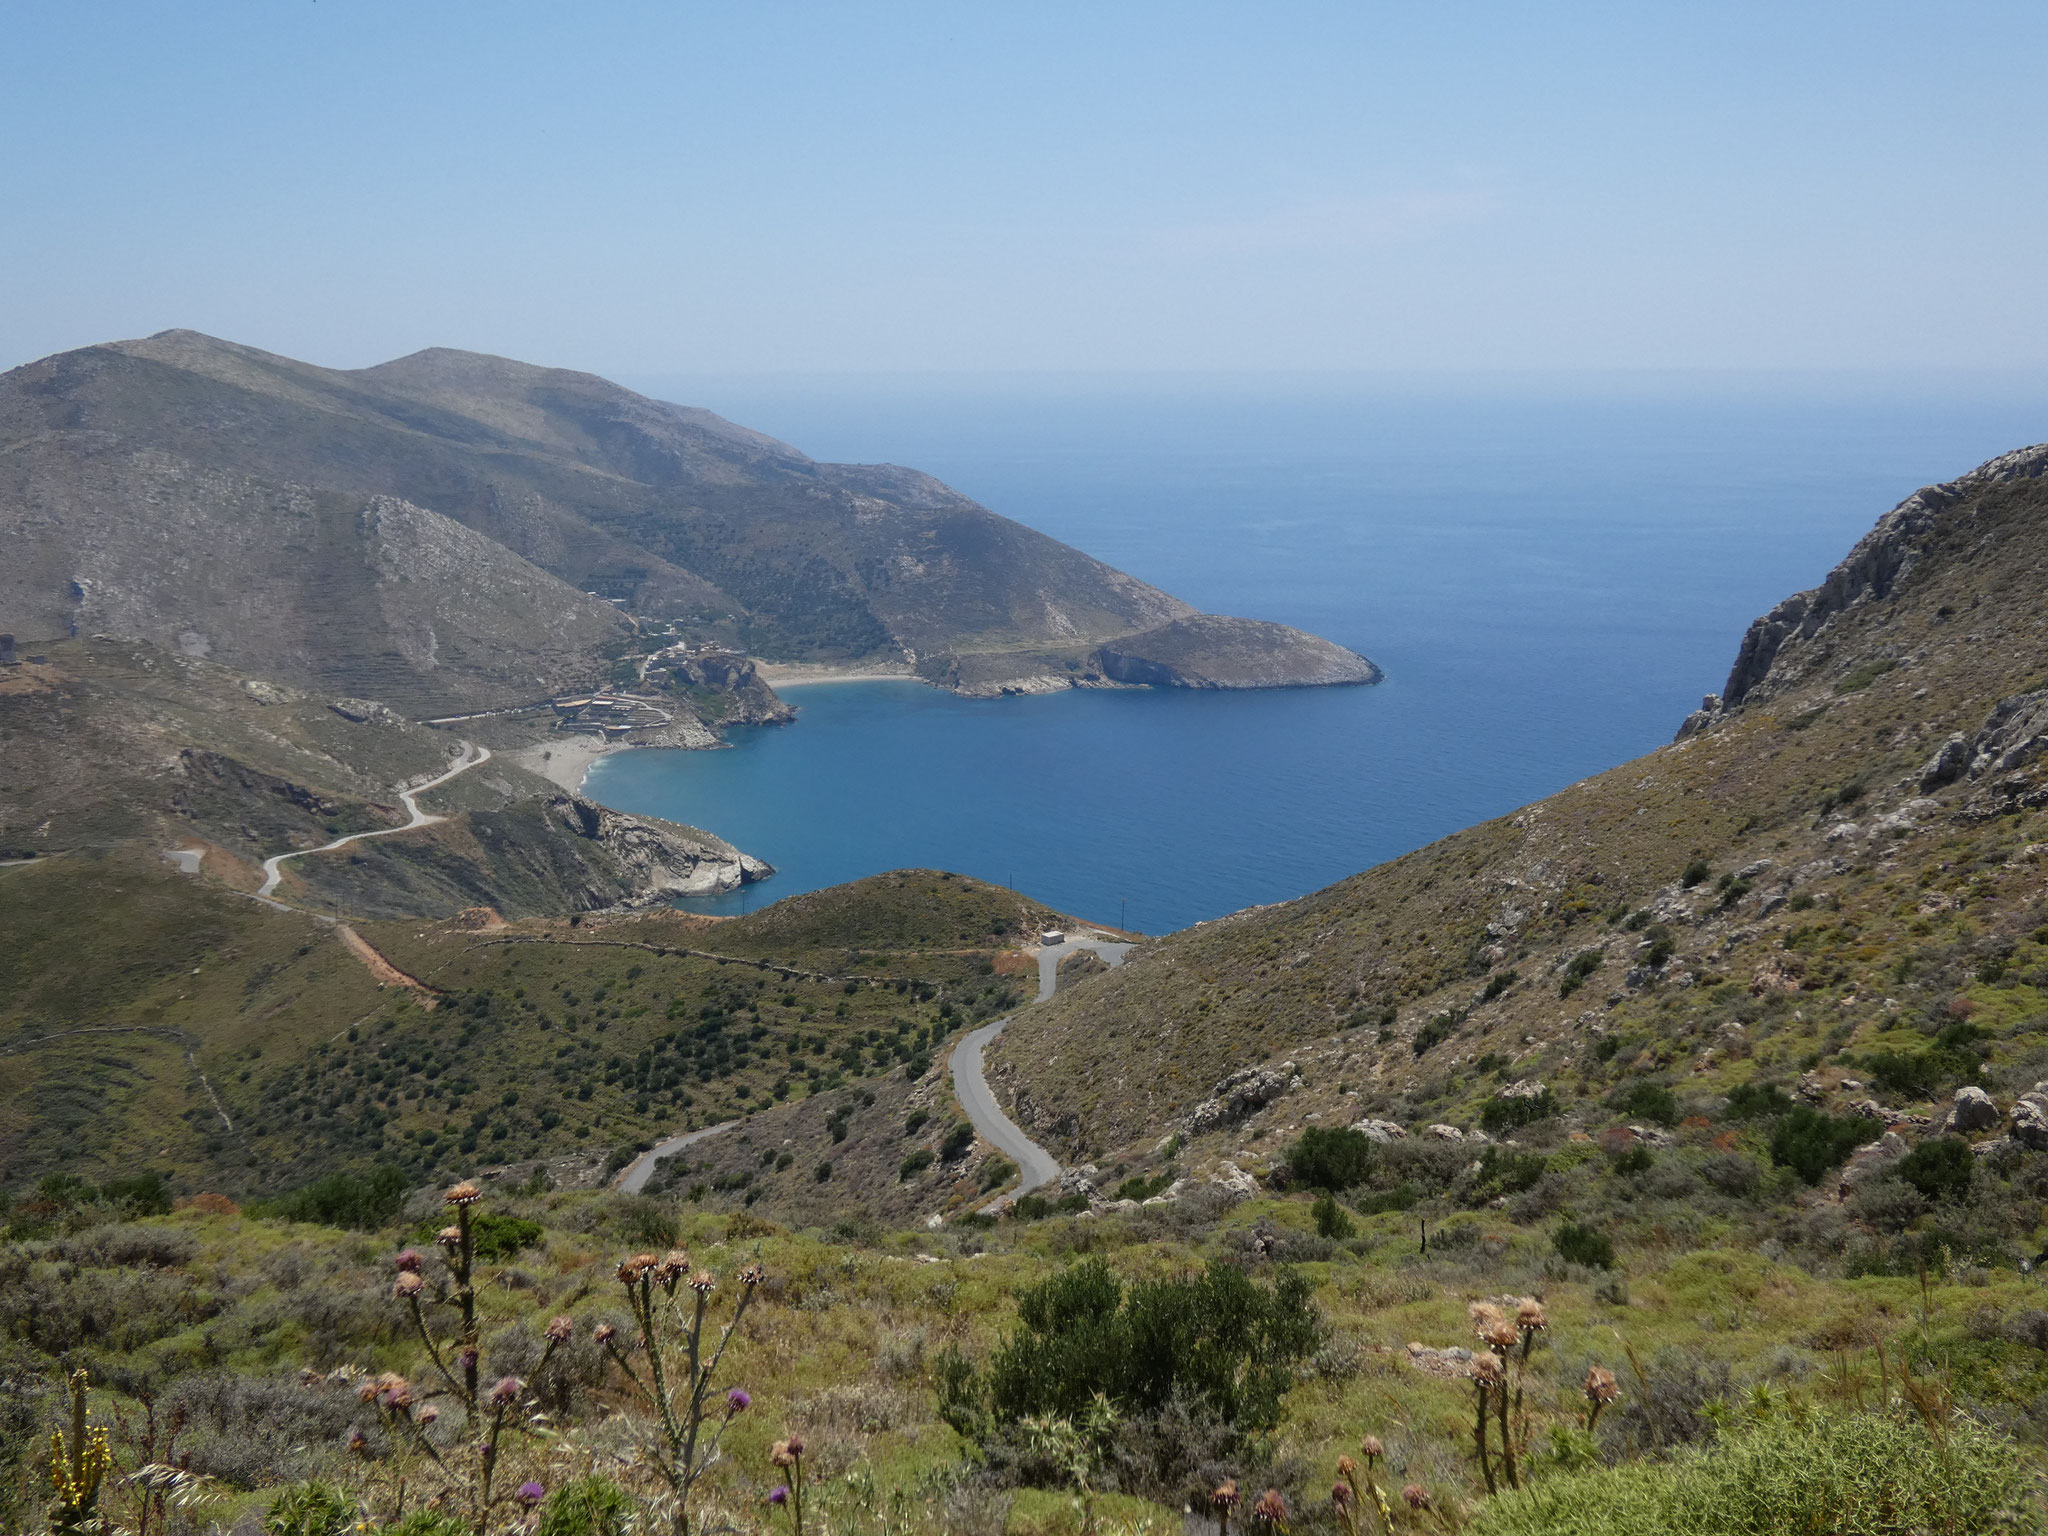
x: 604, y: 1333
x: 560, y: 1330
x: 630, y: 1270
x: 449, y: 1237
x: 1600, y: 1386
x: 702, y: 1283
x: 1500, y: 1336
x: 1484, y: 1315
x: 464, y: 1193
x: 1271, y: 1508
x: 408, y: 1262
x: 1346, y: 1467
x: 408, y: 1284
x: 507, y: 1391
x: 1225, y: 1496
x: 1486, y: 1370
x: 1372, y: 1448
x: 673, y: 1266
x: 752, y: 1276
x: 1415, y: 1496
x: 1530, y: 1316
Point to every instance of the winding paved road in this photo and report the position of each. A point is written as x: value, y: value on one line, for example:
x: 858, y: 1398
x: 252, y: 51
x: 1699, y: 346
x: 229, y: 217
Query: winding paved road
x: 271, y: 872
x: 641, y: 1169
x: 1036, y: 1165
x: 970, y: 1087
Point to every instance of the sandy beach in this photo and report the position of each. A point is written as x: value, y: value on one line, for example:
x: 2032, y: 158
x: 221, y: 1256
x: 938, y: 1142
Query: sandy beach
x: 565, y: 760
x: 786, y: 674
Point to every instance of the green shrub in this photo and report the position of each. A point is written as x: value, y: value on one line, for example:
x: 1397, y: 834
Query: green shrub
x: 310, y: 1509
x: 957, y: 1141
x: 140, y: 1194
x: 1695, y: 872
x: 915, y: 1164
x: 1141, y: 1188
x: 1332, y: 1220
x: 1757, y: 1101
x: 1794, y: 1475
x: 1939, y: 1169
x: 1217, y: 1340
x: 1436, y: 1031
x: 996, y: 1172
x: 1582, y: 965
x: 1513, y: 1113
x: 1504, y: 1171
x: 341, y: 1200
x: 915, y: 1121
x: 1578, y: 1244
x: 1810, y: 1142
x: 498, y: 1238
x: 589, y: 1506
x: 1646, y: 1101
x: 1330, y: 1158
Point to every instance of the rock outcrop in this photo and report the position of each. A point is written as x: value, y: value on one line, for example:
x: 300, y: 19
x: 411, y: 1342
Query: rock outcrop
x: 1238, y: 1095
x: 2029, y: 1123
x: 1782, y: 645
x: 1973, y: 1111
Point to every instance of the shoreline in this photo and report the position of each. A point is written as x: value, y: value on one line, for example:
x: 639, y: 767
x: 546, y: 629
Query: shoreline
x: 785, y: 674
x: 566, y: 761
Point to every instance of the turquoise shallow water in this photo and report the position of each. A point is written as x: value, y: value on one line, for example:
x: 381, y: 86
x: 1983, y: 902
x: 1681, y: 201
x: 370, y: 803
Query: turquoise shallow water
x: 1549, y: 581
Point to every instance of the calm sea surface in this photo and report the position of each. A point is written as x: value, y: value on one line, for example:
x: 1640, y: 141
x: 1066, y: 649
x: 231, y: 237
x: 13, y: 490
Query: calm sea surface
x: 1551, y: 574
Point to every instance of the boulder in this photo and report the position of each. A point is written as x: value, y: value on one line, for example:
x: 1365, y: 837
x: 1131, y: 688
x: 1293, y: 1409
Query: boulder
x: 1876, y: 1157
x: 1239, y: 1095
x: 1233, y: 1180
x: 1523, y: 1088
x: 1973, y: 1111
x: 1381, y: 1131
x: 2030, y: 1118
x: 1444, y: 1132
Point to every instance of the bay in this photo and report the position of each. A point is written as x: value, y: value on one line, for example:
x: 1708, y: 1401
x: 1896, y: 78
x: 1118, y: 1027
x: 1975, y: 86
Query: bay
x: 1550, y: 571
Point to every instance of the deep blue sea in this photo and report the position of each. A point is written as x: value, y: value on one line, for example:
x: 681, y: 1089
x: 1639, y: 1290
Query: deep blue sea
x: 1550, y: 571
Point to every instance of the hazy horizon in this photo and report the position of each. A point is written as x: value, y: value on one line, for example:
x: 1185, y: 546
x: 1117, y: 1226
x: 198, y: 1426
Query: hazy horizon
x: 1156, y: 188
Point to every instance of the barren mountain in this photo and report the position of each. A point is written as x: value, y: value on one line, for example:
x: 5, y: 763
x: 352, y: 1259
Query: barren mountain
x: 451, y: 529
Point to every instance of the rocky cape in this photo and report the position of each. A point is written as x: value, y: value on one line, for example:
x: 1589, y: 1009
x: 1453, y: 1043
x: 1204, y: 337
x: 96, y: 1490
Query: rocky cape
x: 451, y: 531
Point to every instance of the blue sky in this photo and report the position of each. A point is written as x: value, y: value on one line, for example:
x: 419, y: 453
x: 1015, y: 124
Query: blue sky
x: 870, y: 187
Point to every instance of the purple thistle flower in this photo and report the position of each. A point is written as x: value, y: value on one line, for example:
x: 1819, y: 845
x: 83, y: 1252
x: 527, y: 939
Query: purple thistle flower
x: 737, y: 1400
x: 531, y: 1494
x: 780, y: 1495
x: 408, y: 1262
x: 507, y: 1391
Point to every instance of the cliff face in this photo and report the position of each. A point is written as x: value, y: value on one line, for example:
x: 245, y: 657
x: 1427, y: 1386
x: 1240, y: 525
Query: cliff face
x: 1780, y: 647
x: 304, y: 522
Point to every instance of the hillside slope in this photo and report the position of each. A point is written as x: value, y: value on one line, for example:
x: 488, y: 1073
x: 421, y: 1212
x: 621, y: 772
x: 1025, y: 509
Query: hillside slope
x: 1841, y: 856
x: 204, y: 494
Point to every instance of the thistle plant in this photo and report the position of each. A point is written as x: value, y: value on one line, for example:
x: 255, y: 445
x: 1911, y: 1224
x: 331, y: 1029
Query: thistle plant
x: 467, y: 1467
x: 1499, y: 1378
x: 1601, y: 1389
x: 677, y: 1382
x: 788, y: 1457
x: 1223, y: 1501
x: 1350, y: 1498
x: 80, y: 1459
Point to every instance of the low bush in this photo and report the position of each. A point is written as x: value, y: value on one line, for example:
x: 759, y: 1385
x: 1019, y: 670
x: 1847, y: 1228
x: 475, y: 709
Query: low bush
x: 1646, y: 1101
x: 1939, y: 1169
x: 342, y: 1200
x: 1217, y: 1339
x: 1511, y: 1114
x: 1332, y: 1220
x: 1330, y: 1158
x: 915, y: 1164
x: 1811, y: 1142
x: 1577, y: 1244
x: 1845, y: 1474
